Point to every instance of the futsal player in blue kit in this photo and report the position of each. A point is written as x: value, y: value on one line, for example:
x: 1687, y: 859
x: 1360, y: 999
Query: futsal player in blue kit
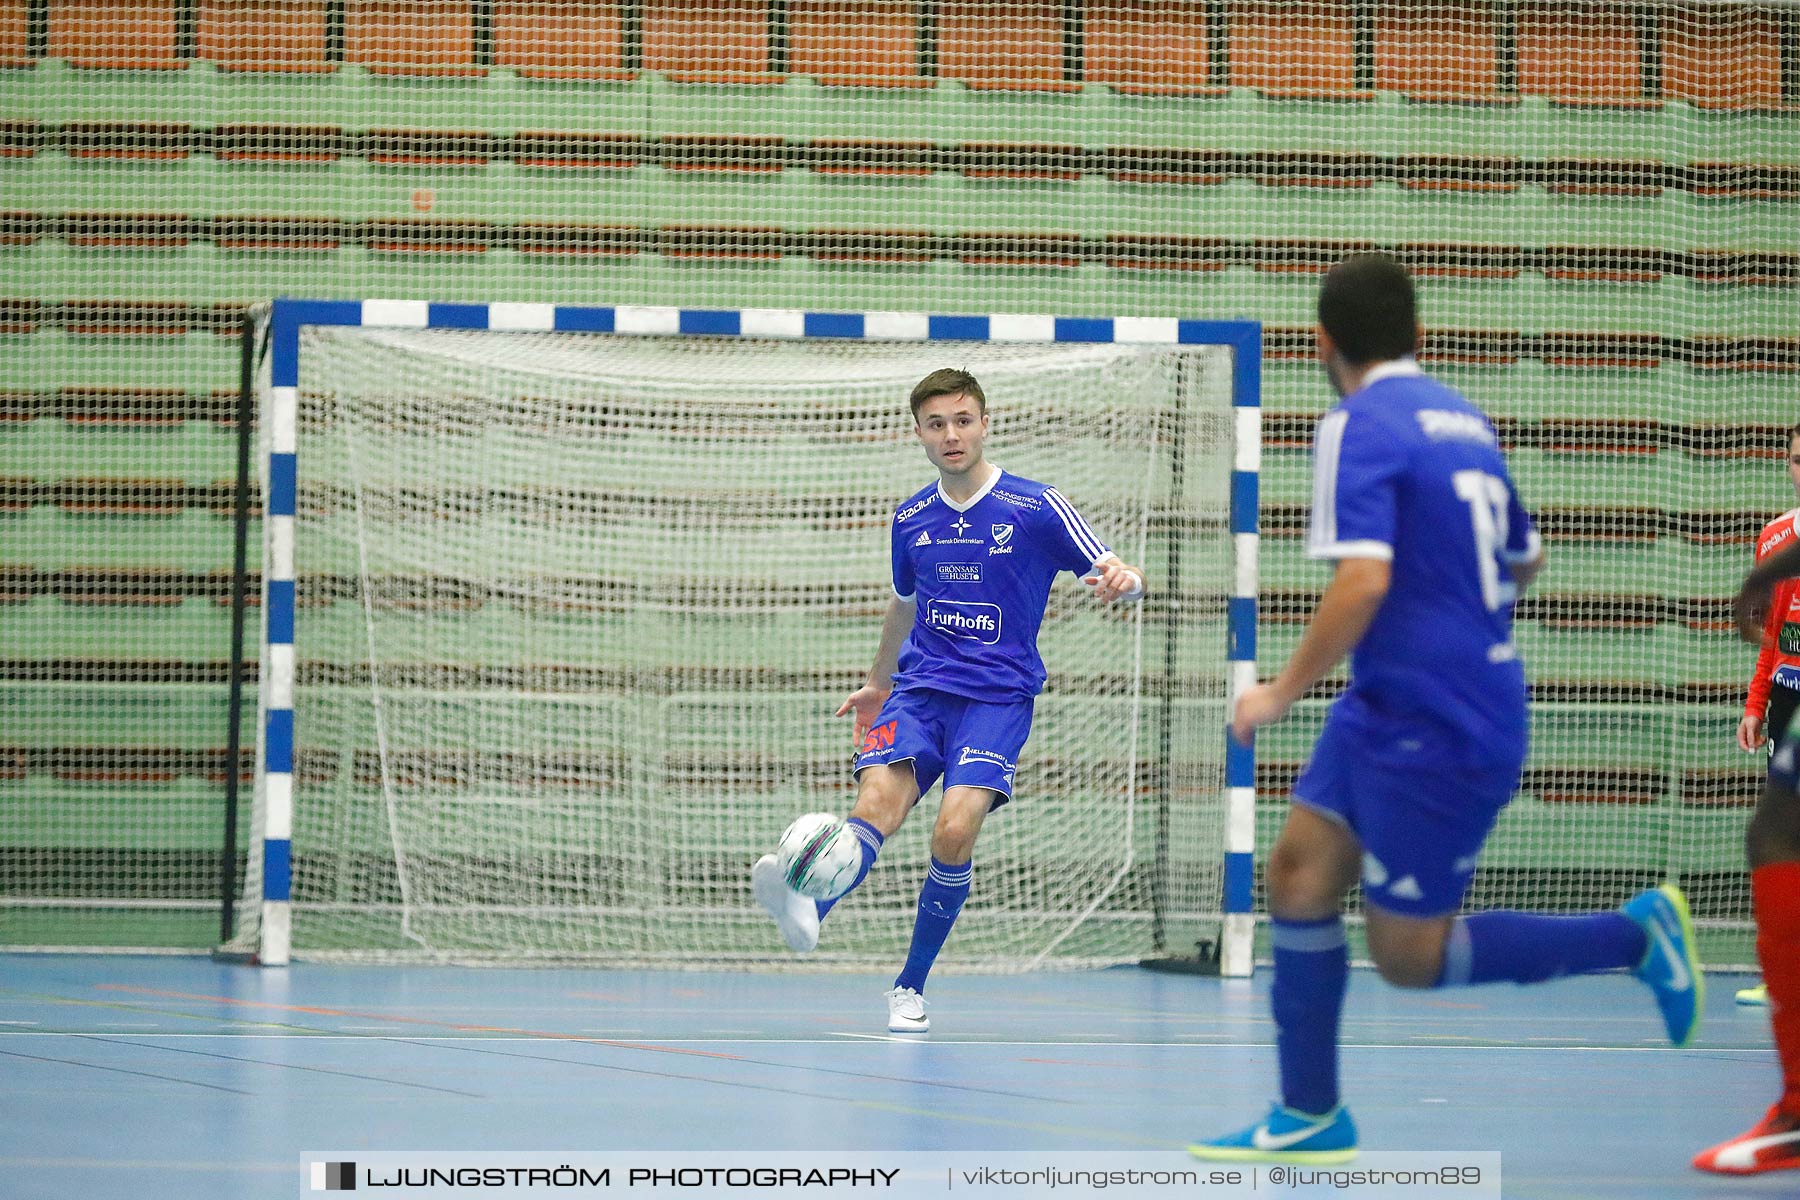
x: 951, y: 691
x: 1413, y: 501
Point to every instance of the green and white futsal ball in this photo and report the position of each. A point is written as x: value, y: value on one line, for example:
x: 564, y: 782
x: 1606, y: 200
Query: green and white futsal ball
x: 819, y: 856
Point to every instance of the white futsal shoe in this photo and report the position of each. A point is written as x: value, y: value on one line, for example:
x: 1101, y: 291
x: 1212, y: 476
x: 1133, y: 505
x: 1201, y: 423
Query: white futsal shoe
x: 906, y: 1012
x: 795, y: 915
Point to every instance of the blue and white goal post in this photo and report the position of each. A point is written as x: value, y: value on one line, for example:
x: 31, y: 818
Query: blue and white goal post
x: 380, y: 874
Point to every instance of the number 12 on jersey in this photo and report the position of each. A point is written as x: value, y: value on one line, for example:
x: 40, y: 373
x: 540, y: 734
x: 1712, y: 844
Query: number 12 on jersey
x: 1488, y: 499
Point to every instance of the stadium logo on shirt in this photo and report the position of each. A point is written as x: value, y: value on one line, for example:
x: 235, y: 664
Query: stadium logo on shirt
x: 913, y: 510
x: 971, y: 622
x: 924, y: 538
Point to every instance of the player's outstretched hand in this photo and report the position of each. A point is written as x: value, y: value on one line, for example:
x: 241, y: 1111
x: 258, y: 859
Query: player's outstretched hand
x: 1750, y: 734
x: 1259, y: 705
x: 1113, y: 580
x: 865, y: 702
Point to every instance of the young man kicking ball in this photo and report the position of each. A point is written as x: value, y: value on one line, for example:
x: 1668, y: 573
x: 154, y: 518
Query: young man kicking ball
x: 951, y: 691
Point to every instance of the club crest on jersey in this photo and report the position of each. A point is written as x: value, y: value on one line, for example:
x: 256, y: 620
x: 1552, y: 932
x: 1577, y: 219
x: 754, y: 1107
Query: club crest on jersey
x: 1002, y: 534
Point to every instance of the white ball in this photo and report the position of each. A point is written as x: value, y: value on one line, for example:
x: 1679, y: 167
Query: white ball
x: 819, y: 856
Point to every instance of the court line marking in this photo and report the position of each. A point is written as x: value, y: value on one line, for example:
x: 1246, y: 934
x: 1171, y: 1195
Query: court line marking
x: 877, y: 1105
x: 1106, y: 1066
x: 151, y: 1164
x: 308, y: 1034
x: 75, y: 1062
x: 1070, y: 1131
x: 810, y: 1068
x: 259, y: 1062
x: 165, y: 1013
x: 741, y: 1084
x: 313, y: 1010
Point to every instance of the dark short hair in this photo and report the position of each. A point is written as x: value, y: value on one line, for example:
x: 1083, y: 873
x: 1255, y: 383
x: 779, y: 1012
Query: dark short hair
x: 1793, y: 432
x: 947, y: 381
x: 1367, y: 306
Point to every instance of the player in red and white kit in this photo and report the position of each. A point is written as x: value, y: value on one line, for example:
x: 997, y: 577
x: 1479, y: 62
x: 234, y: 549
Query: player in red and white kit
x: 1766, y: 605
x: 1772, y: 845
x: 1775, y: 684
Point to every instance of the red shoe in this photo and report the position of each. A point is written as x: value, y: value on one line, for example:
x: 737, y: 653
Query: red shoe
x: 1773, y: 1144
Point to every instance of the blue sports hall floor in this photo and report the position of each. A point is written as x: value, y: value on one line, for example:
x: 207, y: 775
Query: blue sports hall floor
x: 181, y: 1077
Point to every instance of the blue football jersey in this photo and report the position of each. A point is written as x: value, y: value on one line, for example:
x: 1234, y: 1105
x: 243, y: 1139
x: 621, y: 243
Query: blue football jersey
x: 1408, y: 470
x: 980, y: 574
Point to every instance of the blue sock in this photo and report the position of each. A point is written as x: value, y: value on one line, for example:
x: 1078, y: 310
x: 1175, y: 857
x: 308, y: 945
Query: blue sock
x: 946, y: 887
x: 1520, y: 947
x: 869, y: 840
x: 1312, y: 970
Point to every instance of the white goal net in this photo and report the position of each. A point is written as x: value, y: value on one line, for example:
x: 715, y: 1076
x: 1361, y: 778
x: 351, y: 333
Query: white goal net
x: 574, y: 612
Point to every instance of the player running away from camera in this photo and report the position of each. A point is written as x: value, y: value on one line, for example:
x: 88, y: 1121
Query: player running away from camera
x: 950, y: 694
x: 1774, y: 692
x: 1413, y: 503
x: 1773, y: 847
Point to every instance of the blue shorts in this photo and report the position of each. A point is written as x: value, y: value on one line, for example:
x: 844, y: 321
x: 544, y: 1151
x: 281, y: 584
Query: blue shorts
x: 968, y: 742
x: 1421, y: 827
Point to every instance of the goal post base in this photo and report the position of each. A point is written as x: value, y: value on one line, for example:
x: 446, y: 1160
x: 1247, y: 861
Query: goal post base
x: 1204, y: 961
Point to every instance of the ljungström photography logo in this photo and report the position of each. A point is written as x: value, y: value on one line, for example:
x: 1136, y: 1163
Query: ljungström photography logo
x: 334, y: 1177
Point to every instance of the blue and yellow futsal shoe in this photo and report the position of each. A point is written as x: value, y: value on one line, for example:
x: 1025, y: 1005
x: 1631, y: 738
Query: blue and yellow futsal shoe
x: 1287, y: 1136
x: 1754, y: 997
x: 1671, y: 965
